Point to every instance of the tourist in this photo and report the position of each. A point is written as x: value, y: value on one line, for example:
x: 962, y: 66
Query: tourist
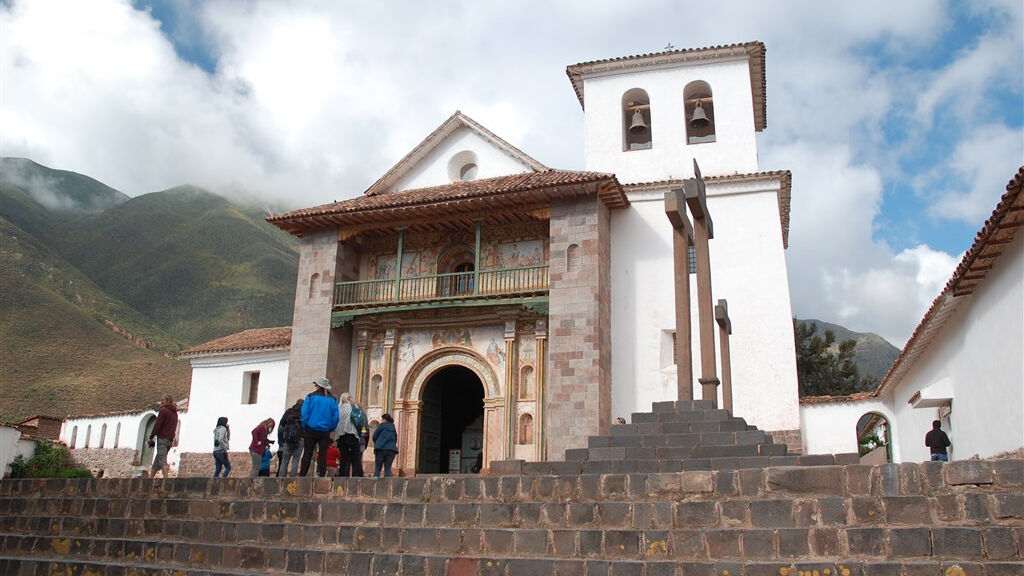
x: 289, y: 440
x: 319, y: 418
x: 163, y: 430
x: 385, y: 446
x: 265, y: 463
x: 620, y: 420
x: 260, y: 443
x: 350, y: 426
x: 221, y: 445
x: 937, y: 441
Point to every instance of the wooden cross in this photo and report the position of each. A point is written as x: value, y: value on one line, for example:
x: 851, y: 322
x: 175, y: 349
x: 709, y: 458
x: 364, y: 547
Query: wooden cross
x: 696, y: 200
x: 724, y: 330
x: 682, y: 240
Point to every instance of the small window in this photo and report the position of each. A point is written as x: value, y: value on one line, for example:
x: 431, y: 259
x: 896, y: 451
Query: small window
x: 88, y: 435
x: 314, y: 282
x: 250, y: 387
x: 699, y: 111
x: 462, y: 167
x: 691, y: 259
x: 117, y: 435
x: 74, y: 437
x: 572, y: 258
x: 636, y: 120
x: 103, y: 435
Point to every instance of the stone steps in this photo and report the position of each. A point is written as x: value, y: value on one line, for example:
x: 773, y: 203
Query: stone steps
x: 860, y: 520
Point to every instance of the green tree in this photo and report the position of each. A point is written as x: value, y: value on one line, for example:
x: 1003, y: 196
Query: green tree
x: 822, y: 371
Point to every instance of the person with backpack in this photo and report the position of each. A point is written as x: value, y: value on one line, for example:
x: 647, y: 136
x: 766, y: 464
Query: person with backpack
x: 319, y: 418
x: 350, y: 425
x: 289, y: 440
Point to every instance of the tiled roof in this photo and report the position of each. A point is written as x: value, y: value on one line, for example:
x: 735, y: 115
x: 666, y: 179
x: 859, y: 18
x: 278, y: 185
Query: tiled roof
x: 785, y: 190
x: 245, y: 341
x: 458, y: 198
x: 856, y: 397
x: 754, y: 51
x: 999, y: 230
x: 431, y: 142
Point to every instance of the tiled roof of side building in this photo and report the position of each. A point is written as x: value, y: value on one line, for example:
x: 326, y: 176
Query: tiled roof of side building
x: 247, y: 340
x: 754, y: 51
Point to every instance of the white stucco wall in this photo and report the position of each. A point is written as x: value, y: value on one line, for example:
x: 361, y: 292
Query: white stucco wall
x: 217, y: 385
x: 733, y: 152
x: 433, y: 169
x: 980, y: 352
x: 748, y: 270
x: 131, y: 434
x: 832, y: 428
x: 12, y: 446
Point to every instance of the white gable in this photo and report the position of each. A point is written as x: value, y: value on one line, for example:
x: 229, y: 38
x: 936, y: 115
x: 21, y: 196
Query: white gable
x: 462, y: 148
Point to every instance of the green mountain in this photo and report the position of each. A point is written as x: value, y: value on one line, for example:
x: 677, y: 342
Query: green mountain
x: 873, y: 354
x: 99, y: 290
x: 68, y: 347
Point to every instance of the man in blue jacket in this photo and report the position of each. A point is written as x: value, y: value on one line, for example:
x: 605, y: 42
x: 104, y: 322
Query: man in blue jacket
x: 319, y: 418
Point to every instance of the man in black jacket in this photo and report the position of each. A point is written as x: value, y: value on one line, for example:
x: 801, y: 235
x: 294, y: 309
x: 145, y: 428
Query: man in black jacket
x: 289, y: 440
x: 937, y: 441
x: 164, y: 430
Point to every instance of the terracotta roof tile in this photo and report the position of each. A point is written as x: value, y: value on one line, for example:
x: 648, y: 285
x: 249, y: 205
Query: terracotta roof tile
x: 454, y: 198
x: 247, y: 340
x: 753, y: 50
x: 998, y: 231
x: 856, y: 397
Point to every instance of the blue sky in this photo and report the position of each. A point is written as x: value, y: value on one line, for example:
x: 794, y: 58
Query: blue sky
x: 901, y: 121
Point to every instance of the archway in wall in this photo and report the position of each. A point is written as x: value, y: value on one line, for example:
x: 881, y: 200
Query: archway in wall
x: 451, y: 418
x: 142, y: 448
x: 874, y: 438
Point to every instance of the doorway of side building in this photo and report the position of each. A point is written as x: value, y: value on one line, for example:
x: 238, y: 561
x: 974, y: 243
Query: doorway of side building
x: 451, y: 422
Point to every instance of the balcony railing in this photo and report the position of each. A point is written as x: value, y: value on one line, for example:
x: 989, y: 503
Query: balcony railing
x: 442, y: 287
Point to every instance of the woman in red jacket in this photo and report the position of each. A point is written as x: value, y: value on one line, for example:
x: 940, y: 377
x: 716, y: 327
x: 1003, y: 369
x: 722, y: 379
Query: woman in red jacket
x: 260, y: 443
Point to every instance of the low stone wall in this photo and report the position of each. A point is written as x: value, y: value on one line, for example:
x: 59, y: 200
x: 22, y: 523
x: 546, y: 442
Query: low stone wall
x: 791, y: 438
x: 113, y: 462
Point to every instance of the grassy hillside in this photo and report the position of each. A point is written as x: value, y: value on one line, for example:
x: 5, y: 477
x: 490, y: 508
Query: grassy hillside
x: 873, y: 354
x: 190, y: 261
x: 68, y: 347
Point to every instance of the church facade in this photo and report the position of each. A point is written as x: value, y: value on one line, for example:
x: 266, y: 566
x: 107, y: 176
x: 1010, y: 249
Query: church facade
x: 495, y: 305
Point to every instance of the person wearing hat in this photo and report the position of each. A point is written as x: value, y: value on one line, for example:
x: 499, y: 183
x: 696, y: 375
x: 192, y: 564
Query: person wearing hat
x: 319, y: 418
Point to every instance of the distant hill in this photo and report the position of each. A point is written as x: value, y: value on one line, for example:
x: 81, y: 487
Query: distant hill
x: 67, y: 347
x: 873, y: 354
x: 99, y: 290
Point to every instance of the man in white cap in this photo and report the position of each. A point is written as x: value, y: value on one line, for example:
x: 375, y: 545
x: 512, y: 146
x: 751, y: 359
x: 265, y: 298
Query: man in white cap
x: 319, y: 418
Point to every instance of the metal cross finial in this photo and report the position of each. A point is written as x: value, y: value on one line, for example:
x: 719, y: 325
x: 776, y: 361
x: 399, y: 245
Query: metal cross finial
x: 669, y: 47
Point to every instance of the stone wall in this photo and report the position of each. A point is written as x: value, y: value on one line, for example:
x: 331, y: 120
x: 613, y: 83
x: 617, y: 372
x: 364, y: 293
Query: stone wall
x: 578, y: 388
x: 114, y: 462
x: 792, y: 439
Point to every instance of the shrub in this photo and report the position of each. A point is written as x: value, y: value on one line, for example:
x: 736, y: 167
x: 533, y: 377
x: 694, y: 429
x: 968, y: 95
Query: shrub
x: 49, y: 461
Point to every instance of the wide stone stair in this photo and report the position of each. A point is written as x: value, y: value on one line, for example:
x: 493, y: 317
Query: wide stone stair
x: 675, y: 436
x: 940, y: 519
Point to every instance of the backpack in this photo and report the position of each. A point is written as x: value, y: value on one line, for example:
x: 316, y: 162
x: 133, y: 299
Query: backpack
x: 357, y: 418
x: 291, y: 431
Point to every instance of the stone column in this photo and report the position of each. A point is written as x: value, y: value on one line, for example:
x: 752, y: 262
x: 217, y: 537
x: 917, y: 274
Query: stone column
x: 389, y: 368
x: 510, y: 379
x: 494, y: 419
x: 703, y: 231
x: 316, y: 349
x: 682, y: 240
x: 407, y: 424
x: 538, y: 422
x: 724, y: 330
x: 578, y: 395
x: 362, y: 394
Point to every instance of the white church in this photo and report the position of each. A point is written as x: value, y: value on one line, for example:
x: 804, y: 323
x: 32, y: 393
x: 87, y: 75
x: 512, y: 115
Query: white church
x: 494, y: 304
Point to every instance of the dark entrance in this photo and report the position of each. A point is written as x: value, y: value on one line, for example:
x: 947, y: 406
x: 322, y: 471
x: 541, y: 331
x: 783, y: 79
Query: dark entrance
x: 451, y: 419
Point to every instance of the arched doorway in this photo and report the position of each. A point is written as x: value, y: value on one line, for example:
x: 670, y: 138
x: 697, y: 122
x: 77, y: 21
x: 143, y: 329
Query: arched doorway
x: 142, y: 447
x: 451, y: 418
x: 874, y: 439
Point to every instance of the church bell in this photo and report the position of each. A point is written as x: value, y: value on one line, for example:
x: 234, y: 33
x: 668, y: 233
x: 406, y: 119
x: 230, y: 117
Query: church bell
x: 699, y: 119
x: 637, y: 126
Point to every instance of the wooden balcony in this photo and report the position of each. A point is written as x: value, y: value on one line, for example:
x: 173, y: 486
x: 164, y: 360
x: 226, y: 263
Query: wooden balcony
x: 498, y: 284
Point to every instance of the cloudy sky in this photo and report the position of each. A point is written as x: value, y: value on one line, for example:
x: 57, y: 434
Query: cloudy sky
x: 901, y: 121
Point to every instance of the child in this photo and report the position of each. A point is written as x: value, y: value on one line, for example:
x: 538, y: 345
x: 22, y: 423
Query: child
x: 265, y: 463
x: 333, y: 457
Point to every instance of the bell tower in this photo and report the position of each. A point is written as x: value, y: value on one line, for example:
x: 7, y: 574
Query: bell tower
x: 648, y: 117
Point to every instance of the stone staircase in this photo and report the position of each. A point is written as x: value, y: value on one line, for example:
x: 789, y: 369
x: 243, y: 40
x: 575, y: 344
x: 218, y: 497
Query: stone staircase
x: 956, y: 519
x: 675, y: 436
x: 686, y: 490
